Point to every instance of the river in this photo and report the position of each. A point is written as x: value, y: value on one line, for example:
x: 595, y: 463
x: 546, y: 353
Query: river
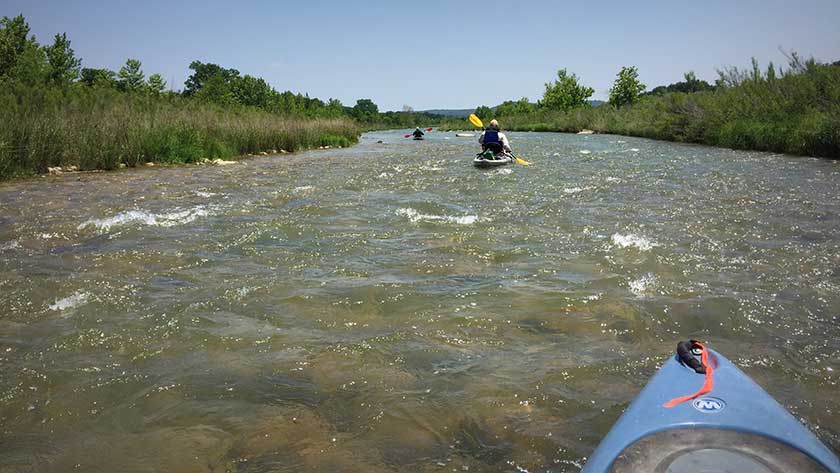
x: 389, y: 307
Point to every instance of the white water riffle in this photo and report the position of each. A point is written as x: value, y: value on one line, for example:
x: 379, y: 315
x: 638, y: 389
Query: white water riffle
x: 141, y: 217
x: 9, y: 245
x: 631, y: 240
x: 415, y: 217
x: 77, y: 299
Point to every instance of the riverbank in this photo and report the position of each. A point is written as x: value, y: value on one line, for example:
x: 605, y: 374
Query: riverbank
x: 104, y: 129
x: 796, y: 112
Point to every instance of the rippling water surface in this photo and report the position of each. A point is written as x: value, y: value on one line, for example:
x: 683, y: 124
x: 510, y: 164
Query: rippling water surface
x: 391, y: 308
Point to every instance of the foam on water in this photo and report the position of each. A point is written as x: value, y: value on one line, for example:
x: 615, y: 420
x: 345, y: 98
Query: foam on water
x: 416, y: 217
x: 77, y: 299
x: 639, y: 242
x: 576, y: 190
x: 585, y: 151
x: 141, y: 217
x: 10, y: 245
x: 641, y: 285
x: 303, y: 189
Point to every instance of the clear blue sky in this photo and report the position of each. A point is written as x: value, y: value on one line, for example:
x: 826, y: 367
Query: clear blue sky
x: 436, y: 54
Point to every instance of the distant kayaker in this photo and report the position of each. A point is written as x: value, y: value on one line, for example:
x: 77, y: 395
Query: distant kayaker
x: 418, y: 133
x: 493, y: 139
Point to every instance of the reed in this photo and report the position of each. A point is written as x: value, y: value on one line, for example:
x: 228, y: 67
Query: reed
x: 796, y: 111
x: 103, y: 128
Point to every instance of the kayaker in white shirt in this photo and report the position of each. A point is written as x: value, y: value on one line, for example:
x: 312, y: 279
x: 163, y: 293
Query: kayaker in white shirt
x: 494, y: 139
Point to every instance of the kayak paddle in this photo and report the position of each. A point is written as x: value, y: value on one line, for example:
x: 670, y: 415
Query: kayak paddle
x: 477, y: 122
x: 520, y: 160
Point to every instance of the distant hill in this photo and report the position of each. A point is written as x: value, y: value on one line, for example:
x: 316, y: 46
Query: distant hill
x: 450, y: 113
x: 465, y: 112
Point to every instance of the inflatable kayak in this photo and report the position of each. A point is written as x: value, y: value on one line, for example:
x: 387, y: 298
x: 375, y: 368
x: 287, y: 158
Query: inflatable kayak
x: 729, y: 425
x: 419, y: 138
x: 487, y: 160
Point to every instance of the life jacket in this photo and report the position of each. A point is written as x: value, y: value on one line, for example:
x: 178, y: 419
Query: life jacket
x: 491, y: 136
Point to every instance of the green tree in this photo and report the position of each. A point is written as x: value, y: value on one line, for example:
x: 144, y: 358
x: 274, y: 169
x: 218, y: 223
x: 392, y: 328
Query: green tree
x: 204, y: 72
x: 626, y: 88
x: 31, y: 68
x: 483, y: 112
x: 14, y: 38
x: 215, y: 89
x: 335, y: 108
x: 21, y: 59
x: 98, y: 77
x: 287, y: 103
x: 565, y: 93
x: 63, y: 64
x: 131, y: 77
x: 314, y: 106
x: 250, y: 90
x: 511, y: 107
x: 691, y: 84
x: 365, y: 110
x: 156, y: 85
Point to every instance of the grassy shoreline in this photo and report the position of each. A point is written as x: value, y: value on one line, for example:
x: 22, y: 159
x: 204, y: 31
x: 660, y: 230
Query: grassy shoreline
x: 795, y: 112
x: 102, y: 129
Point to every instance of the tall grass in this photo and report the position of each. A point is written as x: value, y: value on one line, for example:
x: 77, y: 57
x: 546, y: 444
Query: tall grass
x: 796, y: 111
x: 102, y: 128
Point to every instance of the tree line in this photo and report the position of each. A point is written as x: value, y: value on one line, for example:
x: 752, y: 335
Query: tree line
x: 566, y: 93
x: 793, y: 109
x: 26, y: 65
x: 57, y: 113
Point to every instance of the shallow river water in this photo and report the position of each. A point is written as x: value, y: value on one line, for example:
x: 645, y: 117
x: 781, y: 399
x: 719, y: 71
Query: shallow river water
x: 390, y: 308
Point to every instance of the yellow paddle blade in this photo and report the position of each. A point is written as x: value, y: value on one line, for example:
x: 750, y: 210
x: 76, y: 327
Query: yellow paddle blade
x: 521, y: 161
x: 476, y: 121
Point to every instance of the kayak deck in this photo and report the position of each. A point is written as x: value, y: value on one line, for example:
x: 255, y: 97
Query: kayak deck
x: 735, y: 427
x: 500, y: 160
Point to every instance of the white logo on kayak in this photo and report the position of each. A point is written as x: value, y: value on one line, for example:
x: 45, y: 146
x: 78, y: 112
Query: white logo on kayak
x: 709, y: 405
